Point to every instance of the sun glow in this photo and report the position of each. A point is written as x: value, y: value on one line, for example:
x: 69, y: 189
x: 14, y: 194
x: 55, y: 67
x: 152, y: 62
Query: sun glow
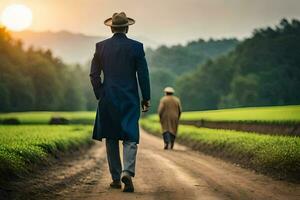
x: 16, y: 17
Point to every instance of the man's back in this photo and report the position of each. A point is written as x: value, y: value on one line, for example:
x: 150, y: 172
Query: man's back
x: 121, y: 60
x: 117, y: 56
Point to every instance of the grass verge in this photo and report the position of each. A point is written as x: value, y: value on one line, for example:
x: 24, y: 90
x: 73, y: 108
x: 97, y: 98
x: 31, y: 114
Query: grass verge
x: 22, y: 147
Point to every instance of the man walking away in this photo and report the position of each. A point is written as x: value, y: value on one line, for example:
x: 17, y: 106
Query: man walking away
x: 123, y: 64
x: 169, y: 111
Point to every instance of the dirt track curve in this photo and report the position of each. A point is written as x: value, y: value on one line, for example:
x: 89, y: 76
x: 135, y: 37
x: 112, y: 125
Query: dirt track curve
x: 177, y: 175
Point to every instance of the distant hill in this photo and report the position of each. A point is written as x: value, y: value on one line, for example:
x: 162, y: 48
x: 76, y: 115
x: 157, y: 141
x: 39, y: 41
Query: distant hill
x: 70, y: 47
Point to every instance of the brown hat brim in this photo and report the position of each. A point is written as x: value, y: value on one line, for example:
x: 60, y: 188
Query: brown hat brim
x: 108, y: 22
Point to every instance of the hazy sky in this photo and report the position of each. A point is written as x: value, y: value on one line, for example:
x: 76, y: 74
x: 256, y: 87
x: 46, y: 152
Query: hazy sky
x: 164, y: 21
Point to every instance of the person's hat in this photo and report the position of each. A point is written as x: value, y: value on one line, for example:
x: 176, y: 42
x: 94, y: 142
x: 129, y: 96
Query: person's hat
x: 169, y: 90
x: 119, y: 20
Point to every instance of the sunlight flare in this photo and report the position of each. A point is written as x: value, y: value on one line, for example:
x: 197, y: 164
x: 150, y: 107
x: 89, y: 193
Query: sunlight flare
x: 16, y: 17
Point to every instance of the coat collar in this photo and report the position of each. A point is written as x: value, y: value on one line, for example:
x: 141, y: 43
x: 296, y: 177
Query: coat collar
x: 119, y: 35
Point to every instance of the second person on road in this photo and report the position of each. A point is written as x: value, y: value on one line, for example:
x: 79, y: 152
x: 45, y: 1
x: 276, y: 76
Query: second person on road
x: 169, y: 111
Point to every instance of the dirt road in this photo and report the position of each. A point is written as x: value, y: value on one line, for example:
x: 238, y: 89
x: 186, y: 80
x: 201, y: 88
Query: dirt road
x: 177, y: 175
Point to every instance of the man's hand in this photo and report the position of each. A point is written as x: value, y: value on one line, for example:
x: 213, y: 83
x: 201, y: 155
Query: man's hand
x: 145, y: 105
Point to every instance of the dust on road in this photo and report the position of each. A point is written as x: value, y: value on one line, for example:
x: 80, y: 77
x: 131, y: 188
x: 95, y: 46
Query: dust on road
x: 177, y: 175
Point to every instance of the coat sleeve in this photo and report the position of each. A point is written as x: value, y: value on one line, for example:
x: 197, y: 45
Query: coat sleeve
x: 160, y: 108
x: 143, y: 73
x: 179, y: 108
x: 95, y: 73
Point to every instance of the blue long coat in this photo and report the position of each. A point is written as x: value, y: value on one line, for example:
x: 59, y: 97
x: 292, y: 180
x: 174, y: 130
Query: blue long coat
x: 123, y: 64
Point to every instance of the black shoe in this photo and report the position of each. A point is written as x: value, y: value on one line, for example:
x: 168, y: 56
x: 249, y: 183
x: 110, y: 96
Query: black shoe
x: 172, y: 140
x: 166, y: 146
x: 126, y: 179
x: 116, y: 184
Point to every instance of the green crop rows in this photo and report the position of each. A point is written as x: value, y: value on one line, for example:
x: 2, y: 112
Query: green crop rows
x: 23, y: 146
x: 279, y: 155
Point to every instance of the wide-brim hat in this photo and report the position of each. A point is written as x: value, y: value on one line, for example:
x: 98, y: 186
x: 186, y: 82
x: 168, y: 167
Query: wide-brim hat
x: 169, y: 90
x: 119, y: 20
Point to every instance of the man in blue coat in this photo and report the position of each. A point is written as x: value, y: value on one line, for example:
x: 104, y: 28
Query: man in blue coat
x: 121, y: 62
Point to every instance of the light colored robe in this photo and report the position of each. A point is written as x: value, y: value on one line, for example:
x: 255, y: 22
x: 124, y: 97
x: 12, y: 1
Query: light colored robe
x: 169, y: 111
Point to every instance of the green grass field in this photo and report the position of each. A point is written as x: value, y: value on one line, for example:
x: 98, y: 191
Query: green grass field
x: 82, y: 117
x: 23, y: 146
x: 269, y: 154
x: 274, y: 114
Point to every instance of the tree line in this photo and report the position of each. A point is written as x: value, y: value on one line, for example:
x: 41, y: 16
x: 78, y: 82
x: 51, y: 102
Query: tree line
x: 259, y: 71
x: 167, y: 64
x: 35, y: 80
x: 263, y: 70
